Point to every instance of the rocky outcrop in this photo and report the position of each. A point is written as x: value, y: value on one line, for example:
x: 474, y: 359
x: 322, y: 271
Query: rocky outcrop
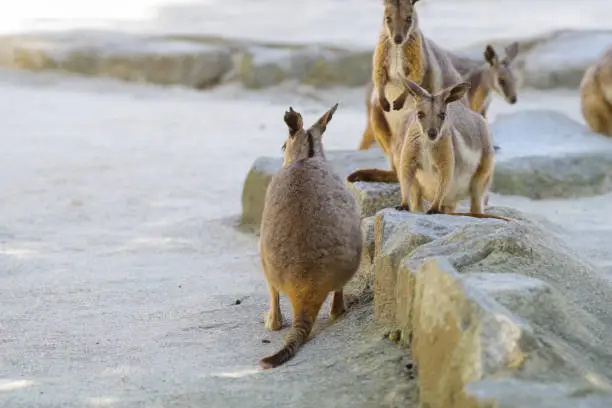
x: 203, y: 62
x: 544, y: 154
x: 488, y: 304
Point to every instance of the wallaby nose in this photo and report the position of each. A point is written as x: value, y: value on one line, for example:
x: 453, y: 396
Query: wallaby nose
x: 398, y: 39
x: 432, y: 133
x: 513, y: 100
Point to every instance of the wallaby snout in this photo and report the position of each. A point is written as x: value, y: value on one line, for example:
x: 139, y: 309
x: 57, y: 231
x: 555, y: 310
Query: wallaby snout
x: 432, y: 134
x: 398, y: 39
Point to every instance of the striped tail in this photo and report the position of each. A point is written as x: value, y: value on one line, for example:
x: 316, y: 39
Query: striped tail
x: 480, y: 216
x: 297, y: 335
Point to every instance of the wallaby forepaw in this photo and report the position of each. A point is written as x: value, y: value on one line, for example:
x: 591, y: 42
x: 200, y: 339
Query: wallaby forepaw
x: 384, y: 104
x: 434, y: 210
x: 398, y: 104
x: 403, y: 207
x: 273, y: 322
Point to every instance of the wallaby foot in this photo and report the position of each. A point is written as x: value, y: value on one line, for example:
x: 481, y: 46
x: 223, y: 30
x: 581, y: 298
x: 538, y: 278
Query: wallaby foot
x: 434, y: 210
x: 373, y: 175
x: 403, y: 207
x: 337, y: 306
x: 273, y: 318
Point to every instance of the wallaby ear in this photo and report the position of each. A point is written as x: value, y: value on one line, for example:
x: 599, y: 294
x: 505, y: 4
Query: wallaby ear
x: 457, y: 92
x: 416, y: 89
x: 321, y: 124
x: 414, y: 1
x: 490, y: 55
x: 294, y: 121
x: 512, y: 51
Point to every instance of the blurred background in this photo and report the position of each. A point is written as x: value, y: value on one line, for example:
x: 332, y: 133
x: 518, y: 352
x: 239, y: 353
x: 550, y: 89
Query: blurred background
x: 127, y: 129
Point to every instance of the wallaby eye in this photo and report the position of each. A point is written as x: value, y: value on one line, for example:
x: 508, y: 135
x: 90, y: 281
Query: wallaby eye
x: 421, y: 114
x: 442, y: 115
x: 388, y: 20
x: 502, y: 82
x: 408, y: 20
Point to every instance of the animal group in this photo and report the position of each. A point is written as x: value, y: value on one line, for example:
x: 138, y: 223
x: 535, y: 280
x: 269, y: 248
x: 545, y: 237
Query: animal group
x: 426, y: 110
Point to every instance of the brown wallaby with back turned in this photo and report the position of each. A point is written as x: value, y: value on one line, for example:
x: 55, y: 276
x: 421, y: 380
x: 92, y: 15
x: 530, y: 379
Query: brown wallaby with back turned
x: 402, y: 52
x: 596, y: 95
x: 310, y: 242
x: 447, y: 155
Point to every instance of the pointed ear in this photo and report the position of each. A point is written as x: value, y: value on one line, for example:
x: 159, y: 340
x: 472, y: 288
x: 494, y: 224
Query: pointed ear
x: 457, y: 92
x: 490, y: 55
x: 294, y: 121
x: 416, y: 89
x: 512, y: 51
x: 414, y: 1
x: 321, y: 124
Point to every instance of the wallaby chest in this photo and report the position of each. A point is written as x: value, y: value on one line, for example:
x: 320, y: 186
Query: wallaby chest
x: 464, y: 161
x: 396, y: 67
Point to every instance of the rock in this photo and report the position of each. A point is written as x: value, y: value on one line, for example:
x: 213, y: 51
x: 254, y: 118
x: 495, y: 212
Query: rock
x: 263, y: 67
x: 485, y: 299
x: 373, y: 197
x: 159, y: 61
x: 545, y: 154
x: 344, y: 162
x: 560, y: 61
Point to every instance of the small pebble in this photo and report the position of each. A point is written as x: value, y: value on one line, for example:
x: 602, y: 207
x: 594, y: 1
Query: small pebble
x: 265, y: 341
x: 238, y: 301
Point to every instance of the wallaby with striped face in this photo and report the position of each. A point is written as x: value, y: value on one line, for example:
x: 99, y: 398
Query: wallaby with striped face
x: 447, y: 155
x: 495, y: 75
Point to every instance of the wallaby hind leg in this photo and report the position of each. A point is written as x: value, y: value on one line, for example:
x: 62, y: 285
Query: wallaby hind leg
x: 367, y: 140
x: 274, y: 318
x: 416, y: 198
x: 306, y: 306
x: 380, y: 128
x: 337, y: 306
x: 480, y: 183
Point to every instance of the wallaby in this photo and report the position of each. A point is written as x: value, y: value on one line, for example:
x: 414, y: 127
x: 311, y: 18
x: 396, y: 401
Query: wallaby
x: 402, y: 52
x: 310, y: 241
x: 596, y: 95
x: 495, y: 75
x: 447, y: 155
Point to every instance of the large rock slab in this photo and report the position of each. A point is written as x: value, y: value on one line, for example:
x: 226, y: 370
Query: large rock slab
x: 490, y: 300
x: 545, y: 154
x: 560, y: 60
x: 128, y: 58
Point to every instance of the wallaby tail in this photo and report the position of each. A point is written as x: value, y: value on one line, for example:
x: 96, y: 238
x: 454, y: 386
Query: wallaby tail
x: 373, y: 175
x: 480, y: 216
x: 296, y: 337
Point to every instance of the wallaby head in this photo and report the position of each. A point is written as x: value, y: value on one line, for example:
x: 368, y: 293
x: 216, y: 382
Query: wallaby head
x: 503, y: 80
x: 304, y: 143
x: 431, y: 109
x: 399, y: 19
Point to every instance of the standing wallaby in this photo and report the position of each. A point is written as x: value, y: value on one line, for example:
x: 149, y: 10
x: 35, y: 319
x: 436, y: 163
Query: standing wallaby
x: 402, y: 53
x: 495, y: 75
x: 447, y: 155
x: 596, y: 95
x: 310, y: 242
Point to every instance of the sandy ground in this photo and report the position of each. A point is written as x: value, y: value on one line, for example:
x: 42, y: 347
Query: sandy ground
x: 120, y: 268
